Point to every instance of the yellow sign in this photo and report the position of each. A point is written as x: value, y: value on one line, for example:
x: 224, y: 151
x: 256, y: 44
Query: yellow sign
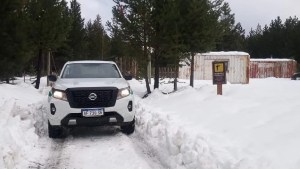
x: 219, y: 68
x: 219, y: 72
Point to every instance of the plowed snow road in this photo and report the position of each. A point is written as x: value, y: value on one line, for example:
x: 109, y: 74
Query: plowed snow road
x: 100, y: 147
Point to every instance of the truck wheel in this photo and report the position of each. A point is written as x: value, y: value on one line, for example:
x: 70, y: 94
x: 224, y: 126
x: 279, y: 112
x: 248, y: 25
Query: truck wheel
x: 55, y: 131
x: 128, y: 129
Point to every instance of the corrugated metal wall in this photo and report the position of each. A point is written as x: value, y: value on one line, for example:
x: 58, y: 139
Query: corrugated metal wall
x: 238, y: 67
x: 279, y: 68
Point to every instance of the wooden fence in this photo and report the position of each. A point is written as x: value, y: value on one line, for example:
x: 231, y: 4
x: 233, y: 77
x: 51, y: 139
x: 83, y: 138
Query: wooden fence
x: 167, y: 72
x: 130, y: 66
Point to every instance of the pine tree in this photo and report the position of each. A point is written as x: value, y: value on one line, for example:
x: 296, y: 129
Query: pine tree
x: 238, y: 34
x: 98, y: 42
x: 254, y: 39
x: 75, y: 46
x: 16, y: 47
x: 50, y: 22
x: 296, y: 40
x: 276, y: 32
x: 167, y: 37
x: 118, y: 48
x: 291, y: 45
x: 76, y: 40
x: 161, y: 19
x: 170, y: 29
x: 134, y: 22
x: 200, y: 28
x: 278, y: 40
x: 232, y: 36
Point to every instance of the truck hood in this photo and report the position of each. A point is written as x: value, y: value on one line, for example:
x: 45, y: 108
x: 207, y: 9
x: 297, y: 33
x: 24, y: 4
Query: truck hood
x: 63, y: 84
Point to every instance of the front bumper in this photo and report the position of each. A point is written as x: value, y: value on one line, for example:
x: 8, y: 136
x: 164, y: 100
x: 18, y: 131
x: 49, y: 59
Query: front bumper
x: 64, y: 115
x: 109, y: 118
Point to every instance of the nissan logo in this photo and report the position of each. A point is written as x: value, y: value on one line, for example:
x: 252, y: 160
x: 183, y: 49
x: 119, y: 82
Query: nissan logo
x: 93, y: 96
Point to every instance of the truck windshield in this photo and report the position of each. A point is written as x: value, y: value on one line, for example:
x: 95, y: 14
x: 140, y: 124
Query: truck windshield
x: 91, y: 70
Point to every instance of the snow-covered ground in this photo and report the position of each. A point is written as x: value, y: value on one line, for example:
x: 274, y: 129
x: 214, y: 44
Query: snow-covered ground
x: 24, y: 142
x: 21, y: 114
x: 253, y: 126
x: 250, y: 126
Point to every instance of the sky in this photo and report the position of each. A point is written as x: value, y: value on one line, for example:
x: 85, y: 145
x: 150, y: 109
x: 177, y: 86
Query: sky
x: 248, y: 12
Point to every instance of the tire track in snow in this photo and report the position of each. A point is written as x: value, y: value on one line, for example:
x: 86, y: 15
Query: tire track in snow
x: 147, y: 151
x: 99, y: 147
x: 106, y: 147
x: 56, y: 158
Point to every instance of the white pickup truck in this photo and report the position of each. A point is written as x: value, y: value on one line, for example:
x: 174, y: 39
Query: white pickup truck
x: 90, y: 93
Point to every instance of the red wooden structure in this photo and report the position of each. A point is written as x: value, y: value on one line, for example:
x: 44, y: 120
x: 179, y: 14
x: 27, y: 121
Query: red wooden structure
x: 279, y: 68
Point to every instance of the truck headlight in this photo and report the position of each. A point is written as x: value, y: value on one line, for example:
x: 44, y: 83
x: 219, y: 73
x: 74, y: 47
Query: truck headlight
x: 124, y: 92
x: 58, y: 94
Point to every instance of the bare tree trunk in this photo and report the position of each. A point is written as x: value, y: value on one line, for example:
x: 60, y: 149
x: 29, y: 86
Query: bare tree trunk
x: 176, y: 78
x: 146, y: 76
x: 175, y: 84
x: 48, y: 67
x: 149, y: 67
x: 38, y: 70
x: 43, y: 65
x: 147, y: 84
x: 102, y: 50
x: 146, y: 73
x: 146, y: 55
x: 192, y: 70
x: 156, y: 72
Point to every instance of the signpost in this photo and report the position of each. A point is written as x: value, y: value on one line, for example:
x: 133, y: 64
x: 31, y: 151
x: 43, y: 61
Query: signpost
x: 219, y: 75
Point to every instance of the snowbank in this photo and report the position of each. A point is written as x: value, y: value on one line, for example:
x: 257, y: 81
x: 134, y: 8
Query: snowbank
x: 21, y: 123
x: 251, y: 126
x: 178, y: 146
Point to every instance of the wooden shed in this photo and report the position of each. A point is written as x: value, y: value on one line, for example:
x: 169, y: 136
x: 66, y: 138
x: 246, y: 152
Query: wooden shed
x: 279, y: 68
x: 237, y: 64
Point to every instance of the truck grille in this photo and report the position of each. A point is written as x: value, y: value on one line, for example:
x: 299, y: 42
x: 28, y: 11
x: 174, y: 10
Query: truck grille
x: 80, y: 97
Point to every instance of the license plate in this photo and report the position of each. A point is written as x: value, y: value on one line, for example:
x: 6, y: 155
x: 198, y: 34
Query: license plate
x: 92, y: 112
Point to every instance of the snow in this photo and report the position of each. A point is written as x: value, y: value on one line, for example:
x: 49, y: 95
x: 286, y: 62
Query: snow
x: 222, y: 53
x: 106, y: 148
x: 250, y: 126
x: 19, y: 108
x: 271, y: 60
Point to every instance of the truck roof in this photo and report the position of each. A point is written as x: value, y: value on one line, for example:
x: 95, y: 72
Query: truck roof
x: 90, y: 61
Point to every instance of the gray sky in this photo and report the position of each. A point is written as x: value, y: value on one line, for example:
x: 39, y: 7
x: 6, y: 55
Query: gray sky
x: 91, y: 8
x: 248, y: 12
x: 252, y: 12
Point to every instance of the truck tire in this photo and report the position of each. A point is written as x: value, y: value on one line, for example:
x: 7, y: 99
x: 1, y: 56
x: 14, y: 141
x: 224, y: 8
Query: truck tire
x: 128, y: 129
x: 55, y: 131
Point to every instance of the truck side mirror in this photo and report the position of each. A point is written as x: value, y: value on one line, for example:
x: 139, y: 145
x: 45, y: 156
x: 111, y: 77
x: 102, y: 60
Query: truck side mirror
x: 52, y: 78
x: 129, y: 77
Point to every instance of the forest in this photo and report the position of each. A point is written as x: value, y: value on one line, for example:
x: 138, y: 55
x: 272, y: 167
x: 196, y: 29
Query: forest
x: 164, y: 32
